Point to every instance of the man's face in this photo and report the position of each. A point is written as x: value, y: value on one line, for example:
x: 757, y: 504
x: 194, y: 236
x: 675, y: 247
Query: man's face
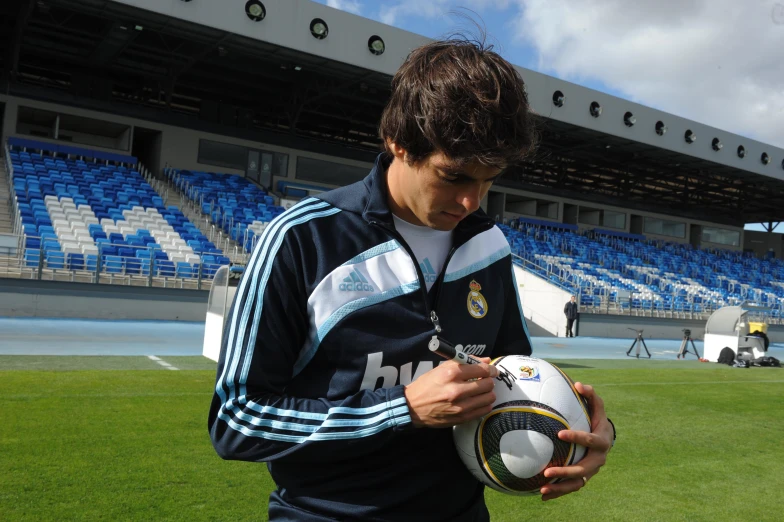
x: 572, y: 298
x: 436, y: 192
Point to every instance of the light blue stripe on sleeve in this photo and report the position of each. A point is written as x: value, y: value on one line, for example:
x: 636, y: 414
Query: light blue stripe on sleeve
x: 279, y: 425
x: 396, y: 413
x: 254, y: 329
x: 315, y: 436
x: 337, y: 410
x: 340, y: 423
x: 250, y: 278
x: 258, y: 285
x: 371, y: 409
x: 479, y: 265
x: 269, y: 410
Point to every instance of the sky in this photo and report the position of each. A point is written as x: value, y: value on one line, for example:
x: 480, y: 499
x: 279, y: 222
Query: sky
x: 718, y: 62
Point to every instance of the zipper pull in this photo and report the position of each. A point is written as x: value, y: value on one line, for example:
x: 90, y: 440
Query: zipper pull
x: 434, y: 318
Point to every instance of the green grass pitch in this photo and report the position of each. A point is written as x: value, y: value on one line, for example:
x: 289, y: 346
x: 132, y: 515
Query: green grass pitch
x: 120, y: 438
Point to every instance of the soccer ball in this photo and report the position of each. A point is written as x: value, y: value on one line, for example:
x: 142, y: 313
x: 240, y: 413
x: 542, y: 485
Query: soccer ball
x: 509, y: 448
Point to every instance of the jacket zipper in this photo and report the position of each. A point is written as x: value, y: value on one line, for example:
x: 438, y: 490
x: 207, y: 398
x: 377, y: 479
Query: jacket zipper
x: 423, y: 287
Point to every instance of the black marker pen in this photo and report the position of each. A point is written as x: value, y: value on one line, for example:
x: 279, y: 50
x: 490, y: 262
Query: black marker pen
x: 449, y: 352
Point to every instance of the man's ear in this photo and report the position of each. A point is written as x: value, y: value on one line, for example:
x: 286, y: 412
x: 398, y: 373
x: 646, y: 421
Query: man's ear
x: 396, y: 150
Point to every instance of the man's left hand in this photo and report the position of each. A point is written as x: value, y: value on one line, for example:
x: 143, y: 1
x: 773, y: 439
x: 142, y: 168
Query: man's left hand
x: 598, y: 443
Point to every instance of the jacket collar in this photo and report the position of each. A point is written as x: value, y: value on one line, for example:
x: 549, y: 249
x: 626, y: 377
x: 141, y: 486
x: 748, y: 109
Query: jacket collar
x: 377, y: 206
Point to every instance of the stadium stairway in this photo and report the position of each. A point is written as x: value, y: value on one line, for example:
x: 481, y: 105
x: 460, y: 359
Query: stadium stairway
x: 173, y: 195
x: 8, y: 261
x: 235, y: 206
x: 6, y: 222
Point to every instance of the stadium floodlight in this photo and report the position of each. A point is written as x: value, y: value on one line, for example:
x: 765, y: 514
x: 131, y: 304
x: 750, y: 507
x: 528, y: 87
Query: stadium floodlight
x: 255, y: 10
x: 376, y: 45
x: 558, y: 99
x: 629, y: 119
x: 716, y: 144
x: 319, y: 28
x: 596, y: 109
x: 741, y: 151
x: 661, y: 128
x: 689, y: 136
x: 765, y: 159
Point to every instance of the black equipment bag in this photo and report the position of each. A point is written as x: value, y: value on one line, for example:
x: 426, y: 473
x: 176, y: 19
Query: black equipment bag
x: 726, y: 356
x: 767, y: 361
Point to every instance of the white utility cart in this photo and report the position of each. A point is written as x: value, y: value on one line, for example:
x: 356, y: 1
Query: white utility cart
x: 730, y: 326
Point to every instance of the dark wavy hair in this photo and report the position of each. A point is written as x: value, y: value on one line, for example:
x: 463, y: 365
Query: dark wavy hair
x: 459, y: 97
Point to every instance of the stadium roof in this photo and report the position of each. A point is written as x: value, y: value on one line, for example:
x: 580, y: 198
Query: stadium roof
x: 187, y: 61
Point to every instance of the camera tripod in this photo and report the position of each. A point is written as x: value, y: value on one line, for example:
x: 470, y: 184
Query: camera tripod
x: 685, y: 346
x: 640, y: 340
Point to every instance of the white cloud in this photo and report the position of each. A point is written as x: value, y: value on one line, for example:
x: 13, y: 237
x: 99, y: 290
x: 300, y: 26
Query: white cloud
x: 718, y: 62
x: 714, y: 61
x: 431, y: 9
x: 351, y: 6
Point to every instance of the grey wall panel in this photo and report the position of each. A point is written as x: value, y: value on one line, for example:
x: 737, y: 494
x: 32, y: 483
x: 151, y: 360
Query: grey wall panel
x: 616, y: 326
x: 20, y: 298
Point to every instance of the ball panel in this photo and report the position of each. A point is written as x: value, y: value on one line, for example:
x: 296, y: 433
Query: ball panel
x: 523, y: 452
x: 583, y: 402
x: 557, y: 395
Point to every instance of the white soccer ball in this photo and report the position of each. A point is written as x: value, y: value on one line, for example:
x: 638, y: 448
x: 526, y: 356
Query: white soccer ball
x: 509, y: 448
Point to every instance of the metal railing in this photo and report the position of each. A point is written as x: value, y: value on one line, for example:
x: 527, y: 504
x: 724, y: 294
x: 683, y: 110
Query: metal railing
x: 545, y: 272
x: 42, y: 265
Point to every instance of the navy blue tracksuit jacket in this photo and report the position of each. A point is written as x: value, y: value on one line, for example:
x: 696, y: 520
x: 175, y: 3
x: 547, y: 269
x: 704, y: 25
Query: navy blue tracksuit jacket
x: 331, y: 320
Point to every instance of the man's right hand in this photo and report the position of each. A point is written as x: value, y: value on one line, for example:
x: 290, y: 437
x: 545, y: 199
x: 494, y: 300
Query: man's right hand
x: 452, y: 394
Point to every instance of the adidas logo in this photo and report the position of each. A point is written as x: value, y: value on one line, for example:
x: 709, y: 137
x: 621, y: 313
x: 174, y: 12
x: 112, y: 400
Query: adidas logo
x: 428, y: 271
x: 355, y: 282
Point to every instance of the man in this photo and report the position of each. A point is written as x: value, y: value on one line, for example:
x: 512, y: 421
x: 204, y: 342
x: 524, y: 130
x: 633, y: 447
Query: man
x: 570, y: 311
x: 324, y: 370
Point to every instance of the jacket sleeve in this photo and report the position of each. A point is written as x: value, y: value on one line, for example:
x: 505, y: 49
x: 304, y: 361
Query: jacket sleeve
x: 513, y: 338
x: 251, y: 417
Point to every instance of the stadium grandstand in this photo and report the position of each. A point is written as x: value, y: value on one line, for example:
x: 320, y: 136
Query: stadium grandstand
x: 147, y: 144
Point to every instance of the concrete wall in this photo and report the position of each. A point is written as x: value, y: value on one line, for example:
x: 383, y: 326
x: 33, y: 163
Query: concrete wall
x: 576, y: 205
x: 20, y: 298
x: 762, y: 242
x: 542, y: 302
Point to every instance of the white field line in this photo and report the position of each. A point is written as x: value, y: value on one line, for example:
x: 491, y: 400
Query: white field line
x: 690, y: 383
x: 162, y: 362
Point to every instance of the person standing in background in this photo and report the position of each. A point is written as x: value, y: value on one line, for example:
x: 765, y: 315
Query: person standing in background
x: 570, y: 311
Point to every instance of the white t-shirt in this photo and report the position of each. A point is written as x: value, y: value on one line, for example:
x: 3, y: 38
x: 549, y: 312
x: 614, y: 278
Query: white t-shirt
x: 430, y: 247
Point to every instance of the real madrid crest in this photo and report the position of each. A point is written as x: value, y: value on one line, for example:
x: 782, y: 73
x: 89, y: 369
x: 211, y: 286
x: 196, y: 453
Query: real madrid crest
x: 477, y: 304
